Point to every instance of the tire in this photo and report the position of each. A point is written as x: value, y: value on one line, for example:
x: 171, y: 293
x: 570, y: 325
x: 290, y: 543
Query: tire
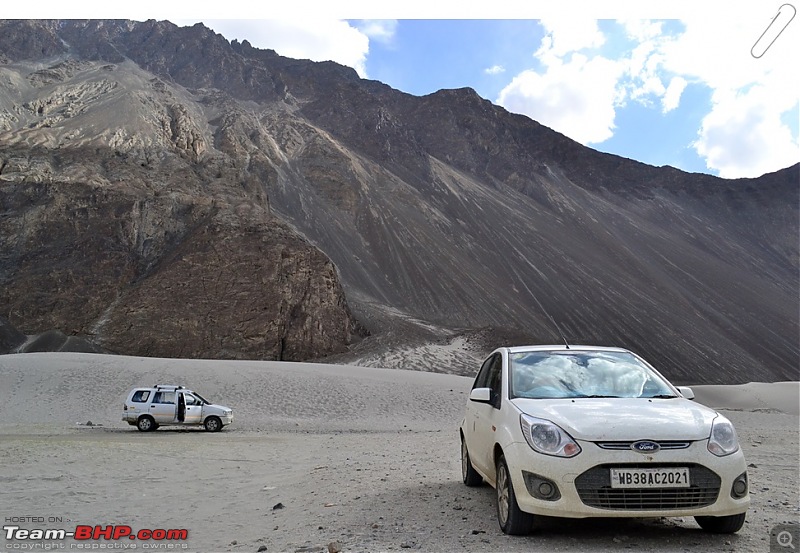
x: 469, y: 475
x: 721, y: 525
x: 513, y: 521
x: 213, y: 424
x: 146, y: 424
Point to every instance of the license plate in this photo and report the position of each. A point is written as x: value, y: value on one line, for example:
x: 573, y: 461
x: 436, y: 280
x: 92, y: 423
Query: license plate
x: 677, y: 477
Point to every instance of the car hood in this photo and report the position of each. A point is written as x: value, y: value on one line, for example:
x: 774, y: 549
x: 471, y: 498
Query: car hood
x: 596, y: 419
x: 214, y: 408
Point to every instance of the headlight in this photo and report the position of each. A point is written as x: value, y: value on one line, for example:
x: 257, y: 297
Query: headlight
x: 545, y: 437
x: 723, y: 439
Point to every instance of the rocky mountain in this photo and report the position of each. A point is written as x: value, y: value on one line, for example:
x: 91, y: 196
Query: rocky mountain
x: 166, y: 192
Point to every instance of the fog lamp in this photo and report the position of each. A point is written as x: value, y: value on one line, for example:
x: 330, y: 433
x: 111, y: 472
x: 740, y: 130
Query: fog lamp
x: 541, y: 487
x: 739, y: 488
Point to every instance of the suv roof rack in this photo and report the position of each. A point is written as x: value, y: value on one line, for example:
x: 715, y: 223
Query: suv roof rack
x: 167, y: 387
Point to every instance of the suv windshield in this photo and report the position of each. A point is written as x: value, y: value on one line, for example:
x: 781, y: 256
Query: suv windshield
x: 201, y: 398
x: 580, y: 374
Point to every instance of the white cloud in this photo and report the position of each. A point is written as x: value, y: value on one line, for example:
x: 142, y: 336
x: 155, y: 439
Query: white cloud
x: 314, y: 39
x: 742, y: 135
x: 575, y: 94
x: 672, y: 96
x: 380, y: 30
x: 643, y: 76
x: 562, y: 98
x: 577, y: 91
x: 494, y: 70
x: 642, y: 30
x: 570, y: 35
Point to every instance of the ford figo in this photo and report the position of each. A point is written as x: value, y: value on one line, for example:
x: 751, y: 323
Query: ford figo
x: 584, y: 431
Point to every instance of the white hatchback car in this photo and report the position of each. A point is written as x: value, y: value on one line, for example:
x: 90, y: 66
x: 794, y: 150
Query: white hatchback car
x: 586, y: 431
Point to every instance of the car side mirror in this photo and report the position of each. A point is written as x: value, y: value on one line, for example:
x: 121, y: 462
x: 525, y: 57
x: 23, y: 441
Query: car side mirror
x: 481, y: 395
x: 686, y: 392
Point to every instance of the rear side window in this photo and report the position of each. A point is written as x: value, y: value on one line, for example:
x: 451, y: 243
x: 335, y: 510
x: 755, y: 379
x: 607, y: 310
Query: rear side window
x: 164, y: 397
x: 141, y: 396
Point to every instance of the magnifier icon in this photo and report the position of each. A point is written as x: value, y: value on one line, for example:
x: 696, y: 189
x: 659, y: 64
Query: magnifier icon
x: 781, y: 20
x: 785, y: 539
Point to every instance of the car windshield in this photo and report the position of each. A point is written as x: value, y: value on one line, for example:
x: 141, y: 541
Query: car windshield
x: 582, y: 374
x: 201, y: 398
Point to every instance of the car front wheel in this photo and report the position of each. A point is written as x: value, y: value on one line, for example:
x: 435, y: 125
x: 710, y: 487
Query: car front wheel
x: 721, y: 525
x: 468, y: 474
x: 512, y: 519
x: 213, y: 424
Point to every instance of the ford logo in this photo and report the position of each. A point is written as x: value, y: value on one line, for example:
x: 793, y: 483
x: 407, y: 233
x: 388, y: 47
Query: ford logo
x: 645, y: 446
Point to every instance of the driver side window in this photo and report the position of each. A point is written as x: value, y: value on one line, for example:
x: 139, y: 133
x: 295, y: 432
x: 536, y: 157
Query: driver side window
x: 496, y: 379
x: 481, y: 381
x: 490, y: 376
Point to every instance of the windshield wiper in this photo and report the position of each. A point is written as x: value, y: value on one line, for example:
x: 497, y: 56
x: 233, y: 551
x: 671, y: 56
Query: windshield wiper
x: 662, y: 396
x: 596, y: 396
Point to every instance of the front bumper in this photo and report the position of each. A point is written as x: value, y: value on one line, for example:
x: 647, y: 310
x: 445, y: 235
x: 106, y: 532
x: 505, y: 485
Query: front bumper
x: 583, y: 482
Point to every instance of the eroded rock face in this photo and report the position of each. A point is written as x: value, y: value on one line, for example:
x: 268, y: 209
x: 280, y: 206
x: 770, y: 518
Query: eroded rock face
x: 121, y: 221
x: 234, y: 289
x: 164, y: 275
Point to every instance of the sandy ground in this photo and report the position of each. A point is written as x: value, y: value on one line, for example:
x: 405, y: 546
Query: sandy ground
x: 320, y: 458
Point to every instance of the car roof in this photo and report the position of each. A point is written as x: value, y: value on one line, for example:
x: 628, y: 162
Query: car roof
x: 576, y: 348
x: 164, y: 388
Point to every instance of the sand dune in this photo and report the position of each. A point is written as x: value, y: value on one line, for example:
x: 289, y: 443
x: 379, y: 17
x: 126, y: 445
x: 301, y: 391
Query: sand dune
x: 783, y: 397
x: 64, y: 388
x: 361, y: 459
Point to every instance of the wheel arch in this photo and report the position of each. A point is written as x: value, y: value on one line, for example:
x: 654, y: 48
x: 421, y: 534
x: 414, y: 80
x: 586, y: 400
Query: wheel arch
x: 497, y: 452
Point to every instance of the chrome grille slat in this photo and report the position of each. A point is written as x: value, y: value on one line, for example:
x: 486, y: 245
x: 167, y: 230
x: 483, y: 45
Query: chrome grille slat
x: 594, y: 489
x: 665, y: 444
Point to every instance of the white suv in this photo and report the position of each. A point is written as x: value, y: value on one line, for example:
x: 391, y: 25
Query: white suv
x: 149, y: 408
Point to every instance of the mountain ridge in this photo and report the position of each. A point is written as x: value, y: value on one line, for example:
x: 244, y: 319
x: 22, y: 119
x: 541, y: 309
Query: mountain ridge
x: 443, y: 209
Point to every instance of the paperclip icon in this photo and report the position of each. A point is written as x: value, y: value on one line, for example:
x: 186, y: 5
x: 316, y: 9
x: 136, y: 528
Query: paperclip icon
x: 781, y: 20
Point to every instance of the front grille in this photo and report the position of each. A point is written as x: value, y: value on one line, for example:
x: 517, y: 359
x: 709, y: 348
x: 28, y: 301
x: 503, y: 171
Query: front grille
x: 594, y: 489
x: 665, y: 444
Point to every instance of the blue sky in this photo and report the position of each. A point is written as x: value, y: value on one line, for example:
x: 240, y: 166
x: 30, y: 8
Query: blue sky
x: 666, y: 83
x: 454, y: 53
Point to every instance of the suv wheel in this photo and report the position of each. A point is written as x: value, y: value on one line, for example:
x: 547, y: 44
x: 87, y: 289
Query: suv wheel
x: 146, y: 424
x: 512, y: 519
x: 213, y: 424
